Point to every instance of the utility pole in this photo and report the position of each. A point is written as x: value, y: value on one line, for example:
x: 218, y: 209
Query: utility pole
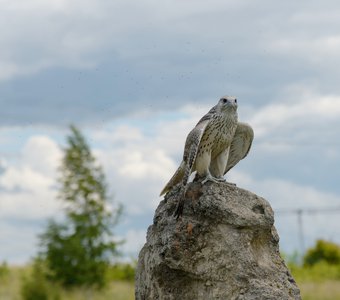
x: 301, y: 234
x: 299, y: 212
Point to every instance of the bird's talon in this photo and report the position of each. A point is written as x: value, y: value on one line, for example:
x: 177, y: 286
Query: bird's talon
x: 210, y: 178
x: 221, y: 179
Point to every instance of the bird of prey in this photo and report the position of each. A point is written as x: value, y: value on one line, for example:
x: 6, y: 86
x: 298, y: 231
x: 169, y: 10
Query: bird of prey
x: 216, y: 144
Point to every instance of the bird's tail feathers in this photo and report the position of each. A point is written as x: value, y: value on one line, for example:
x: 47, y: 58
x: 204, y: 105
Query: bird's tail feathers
x: 176, y: 178
x: 187, y: 168
x: 180, y: 204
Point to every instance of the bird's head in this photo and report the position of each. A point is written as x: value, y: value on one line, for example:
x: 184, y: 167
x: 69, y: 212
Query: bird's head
x: 228, y: 103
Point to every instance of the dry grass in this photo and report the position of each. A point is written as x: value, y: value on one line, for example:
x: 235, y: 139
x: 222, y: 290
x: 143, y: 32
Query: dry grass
x: 118, y: 290
x: 327, y: 290
x: 10, y: 283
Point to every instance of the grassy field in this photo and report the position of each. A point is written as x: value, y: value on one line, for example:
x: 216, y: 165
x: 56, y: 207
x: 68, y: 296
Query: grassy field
x: 319, y: 282
x: 312, y: 287
x: 326, y: 290
x: 11, y: 280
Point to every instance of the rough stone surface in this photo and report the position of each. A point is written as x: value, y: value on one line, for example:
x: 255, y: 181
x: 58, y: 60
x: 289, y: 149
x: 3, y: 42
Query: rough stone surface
x: 223, y: 247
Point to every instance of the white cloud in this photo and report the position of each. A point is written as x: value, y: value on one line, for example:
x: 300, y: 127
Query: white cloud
x: 120, y: 134
x: 27, y: 188
x: 283, y: 194
x: 135, y: 173
x: 150, y: 163
x: 22, y: 178
x: 42, y: 154
x: 302, y: 117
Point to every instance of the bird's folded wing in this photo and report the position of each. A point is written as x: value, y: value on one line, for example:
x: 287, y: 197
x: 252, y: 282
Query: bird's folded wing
x: 240, y: 145
x: 194, y: 137
x: 193, y: 140
x: 190, y: 151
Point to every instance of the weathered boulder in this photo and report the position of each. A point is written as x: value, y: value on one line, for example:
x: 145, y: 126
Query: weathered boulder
x: 223, y: 247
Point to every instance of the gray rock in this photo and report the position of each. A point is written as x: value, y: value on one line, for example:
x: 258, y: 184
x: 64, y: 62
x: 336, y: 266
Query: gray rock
x: 223, y: 247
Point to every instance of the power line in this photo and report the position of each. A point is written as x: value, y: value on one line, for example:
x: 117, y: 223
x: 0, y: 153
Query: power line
x: 310, y: 211
x: 314, y: 210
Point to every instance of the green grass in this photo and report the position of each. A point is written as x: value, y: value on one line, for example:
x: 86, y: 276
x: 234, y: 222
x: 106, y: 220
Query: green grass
x: 11, y: 282
x: 319, y: 272
x: 320, y: 282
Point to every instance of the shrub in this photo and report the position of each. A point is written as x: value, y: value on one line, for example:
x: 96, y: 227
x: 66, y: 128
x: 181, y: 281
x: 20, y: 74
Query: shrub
x: 323, y: 251
x: 4, y: 270
x: 37, y: 287
x: 121, y: 271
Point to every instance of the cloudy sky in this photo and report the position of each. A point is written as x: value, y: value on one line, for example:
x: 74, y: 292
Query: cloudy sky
x: 136, y: 76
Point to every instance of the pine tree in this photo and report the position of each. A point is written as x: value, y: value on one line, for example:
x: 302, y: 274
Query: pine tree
x: 78, y: 250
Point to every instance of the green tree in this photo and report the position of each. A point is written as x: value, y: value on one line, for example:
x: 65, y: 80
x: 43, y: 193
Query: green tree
x: 322, y: 252
x: 78, y: 250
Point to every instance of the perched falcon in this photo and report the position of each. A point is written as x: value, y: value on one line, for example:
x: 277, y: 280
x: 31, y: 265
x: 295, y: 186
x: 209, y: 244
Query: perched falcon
x: 216, y: 144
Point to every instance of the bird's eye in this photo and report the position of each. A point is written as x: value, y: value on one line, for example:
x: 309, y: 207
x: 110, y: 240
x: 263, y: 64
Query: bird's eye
x: 235, y: 100
x: 224, y: 100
